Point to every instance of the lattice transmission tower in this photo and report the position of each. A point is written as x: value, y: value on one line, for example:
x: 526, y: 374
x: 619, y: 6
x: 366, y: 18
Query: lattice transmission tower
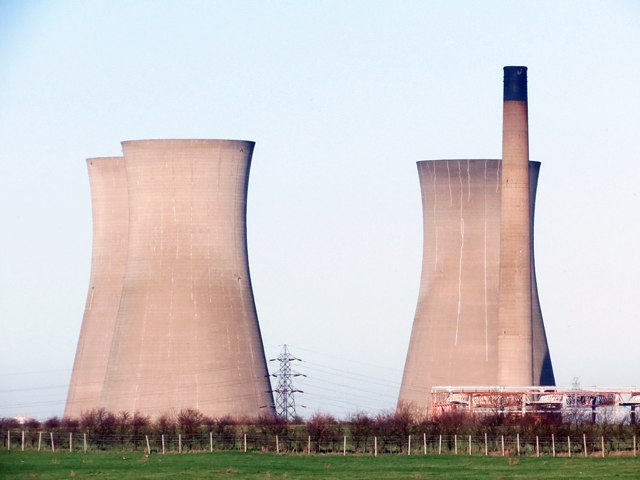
x: 285, y: 391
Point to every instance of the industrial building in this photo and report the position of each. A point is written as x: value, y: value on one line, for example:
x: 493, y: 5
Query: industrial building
x: 478, y: 319
x: 580, y: 403
x: 170, y: 320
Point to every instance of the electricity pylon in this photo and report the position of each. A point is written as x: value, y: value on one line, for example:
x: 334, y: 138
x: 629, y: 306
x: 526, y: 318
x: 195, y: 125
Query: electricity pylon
x: 285, y: 399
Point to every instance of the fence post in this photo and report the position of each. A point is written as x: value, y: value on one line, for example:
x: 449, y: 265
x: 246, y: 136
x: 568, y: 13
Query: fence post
x: 245, y: 443
x: 602, y: 444
x: 502, y: 441
x: 70, y: 442
x: 486, y: 445
x: 375, y: 446
x: 211, y: 442
x: 537, y: 447
x: 277, y: 445
x: 553, y: 444
x: 409, y: 446
x: 518, y: 442
x: 23, y: 440
x: 584, y: 442
x: 634, y: 445
x: 309, y: 445
x: 569, y: 444
x: 40, y: 440
x: 8, y: 439
x: 440, y: 445
x: 455, y: 444
x: 53, y: 448
x: 344, y: 446
x: 84, y: 442
x: 179, y: 443
x: 163, y: 443
x: 146, y: 437
x: 424, y: 442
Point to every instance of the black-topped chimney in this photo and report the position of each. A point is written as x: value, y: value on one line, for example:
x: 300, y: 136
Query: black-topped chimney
x: 515, y: 83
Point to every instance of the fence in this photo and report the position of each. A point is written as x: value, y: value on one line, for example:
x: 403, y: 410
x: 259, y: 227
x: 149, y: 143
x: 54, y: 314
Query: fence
x: 494, y: 445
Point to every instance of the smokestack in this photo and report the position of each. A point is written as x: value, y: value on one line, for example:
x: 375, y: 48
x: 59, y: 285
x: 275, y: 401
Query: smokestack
x: 478, y: 320
x: 514, y: 317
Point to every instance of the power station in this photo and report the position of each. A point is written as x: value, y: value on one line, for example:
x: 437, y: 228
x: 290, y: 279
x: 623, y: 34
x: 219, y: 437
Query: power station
x: 478, y: 320
x: 170, y: 320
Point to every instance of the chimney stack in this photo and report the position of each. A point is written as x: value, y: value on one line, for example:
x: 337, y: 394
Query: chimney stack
x: 514, y: 317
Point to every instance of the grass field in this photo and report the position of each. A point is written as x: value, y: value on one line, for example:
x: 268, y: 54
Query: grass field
x: 235, y: 465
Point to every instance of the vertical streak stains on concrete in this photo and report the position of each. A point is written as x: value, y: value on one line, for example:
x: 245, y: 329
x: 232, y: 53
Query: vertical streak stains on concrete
x: 453, y: 340
x: 460, y: 264
x: 435, y: 218
x: 433, y: 357
x: 484, y: 265
x: 186, y: 333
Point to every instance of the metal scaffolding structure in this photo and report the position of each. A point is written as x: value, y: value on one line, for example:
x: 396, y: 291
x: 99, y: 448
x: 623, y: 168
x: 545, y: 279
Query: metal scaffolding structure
x: 494, y: 400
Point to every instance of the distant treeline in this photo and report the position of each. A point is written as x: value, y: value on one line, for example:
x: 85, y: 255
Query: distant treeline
x: 322, y: 426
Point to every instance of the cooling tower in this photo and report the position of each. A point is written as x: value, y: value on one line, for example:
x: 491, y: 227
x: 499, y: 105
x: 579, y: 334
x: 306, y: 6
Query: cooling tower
x: 478, y: 317
x: 186, y: 333
x: 108, y: 181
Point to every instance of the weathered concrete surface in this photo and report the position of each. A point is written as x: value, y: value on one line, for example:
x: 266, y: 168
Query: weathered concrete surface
x: 109, y: 199
x: 186, y: 334
x: 515, y: 333
x: 542, y: 367
x: 454, y: 340
x: 478, y: 320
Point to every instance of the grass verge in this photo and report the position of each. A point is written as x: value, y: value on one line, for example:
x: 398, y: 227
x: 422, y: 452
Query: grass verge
x: 235, y: 465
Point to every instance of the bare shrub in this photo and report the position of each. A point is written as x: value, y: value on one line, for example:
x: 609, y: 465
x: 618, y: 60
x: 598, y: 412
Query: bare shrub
x: 393, y: 424
x: 9, y: 423
x: 323, y: 430
x: 52, y: 423
x: 189, y: 421
x: 139, y: 423
x: 361, y: 428
x: 224, y: 424
x: 165, y: 423
x: 225, y: 431
x: 69, y: 424
x: 272, y: 425
x: 413, y: 411
x: 122, y: 422
x: 32, y: 424
x: 98, y: 421
x: 208, y: 423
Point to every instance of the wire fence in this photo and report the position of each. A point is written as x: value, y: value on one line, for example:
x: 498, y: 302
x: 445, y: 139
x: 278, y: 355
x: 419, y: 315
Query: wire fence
x: 489, y: 445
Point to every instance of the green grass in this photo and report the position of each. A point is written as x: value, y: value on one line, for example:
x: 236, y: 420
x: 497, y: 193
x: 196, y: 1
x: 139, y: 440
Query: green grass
x: 235, y: 465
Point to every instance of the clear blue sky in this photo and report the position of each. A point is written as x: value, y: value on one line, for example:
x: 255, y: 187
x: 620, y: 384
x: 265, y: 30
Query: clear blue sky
x: 342, y: 98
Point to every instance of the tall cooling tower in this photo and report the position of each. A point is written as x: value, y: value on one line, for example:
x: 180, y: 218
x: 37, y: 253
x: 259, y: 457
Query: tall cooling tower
x: 477, y: 273
x: 186, y: 333
x: 108, y: 181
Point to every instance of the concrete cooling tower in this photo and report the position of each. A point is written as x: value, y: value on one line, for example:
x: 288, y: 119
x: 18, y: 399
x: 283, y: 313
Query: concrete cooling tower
x: 186, y: 333
x: 109, y: 200
x: 478, y: 320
